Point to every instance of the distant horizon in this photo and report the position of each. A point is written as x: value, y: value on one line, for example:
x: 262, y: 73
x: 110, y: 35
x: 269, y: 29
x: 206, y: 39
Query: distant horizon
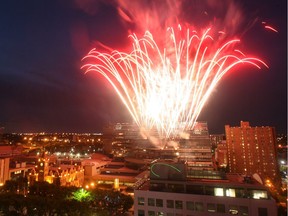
x: 2, y: 129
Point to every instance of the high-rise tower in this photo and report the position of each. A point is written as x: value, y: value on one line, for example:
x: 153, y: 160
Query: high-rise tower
x: 252, y: 150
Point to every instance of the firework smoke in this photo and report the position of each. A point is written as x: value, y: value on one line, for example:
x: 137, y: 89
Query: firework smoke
x: 170, y: 72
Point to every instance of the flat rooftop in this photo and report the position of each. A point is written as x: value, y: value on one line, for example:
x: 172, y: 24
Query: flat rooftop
x: 231, y: 180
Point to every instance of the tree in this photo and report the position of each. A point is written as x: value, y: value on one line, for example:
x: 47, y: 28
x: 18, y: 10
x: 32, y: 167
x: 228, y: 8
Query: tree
x: 111, y: 202
x: 81, y: 195
x: 16, y: 186
x: 48, y: 199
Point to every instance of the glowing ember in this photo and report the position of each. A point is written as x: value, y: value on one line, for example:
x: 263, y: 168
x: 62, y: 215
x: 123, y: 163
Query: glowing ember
x: 271, y: 28
x: 165, y: 85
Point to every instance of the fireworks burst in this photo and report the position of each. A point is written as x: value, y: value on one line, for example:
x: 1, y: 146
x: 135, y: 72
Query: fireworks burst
x: 165, y: 85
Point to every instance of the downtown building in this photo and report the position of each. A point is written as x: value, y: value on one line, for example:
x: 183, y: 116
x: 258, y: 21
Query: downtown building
x: 252, y: 150
x: 193, y: 146
x: 196, y: 150
x: 170, y: 191
x: 10, y: 167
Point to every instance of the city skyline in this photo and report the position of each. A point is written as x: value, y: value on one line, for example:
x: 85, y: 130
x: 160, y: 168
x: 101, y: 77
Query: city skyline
x: 43, y: 89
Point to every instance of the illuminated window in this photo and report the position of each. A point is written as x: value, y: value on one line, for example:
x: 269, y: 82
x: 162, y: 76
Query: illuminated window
x: 230, y: 192
x: 218, y: 192
x: 259, y: 194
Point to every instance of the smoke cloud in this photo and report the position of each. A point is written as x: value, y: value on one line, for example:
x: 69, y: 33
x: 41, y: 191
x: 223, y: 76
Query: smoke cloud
x: 156, y: 16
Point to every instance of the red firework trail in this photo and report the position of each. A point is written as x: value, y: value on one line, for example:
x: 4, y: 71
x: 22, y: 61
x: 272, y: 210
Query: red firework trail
x: 270, y: 28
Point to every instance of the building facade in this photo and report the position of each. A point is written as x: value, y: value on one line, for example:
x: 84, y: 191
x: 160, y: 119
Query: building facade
x: 192, y: 146
x: 170, y: 192
x: 221, y: 157
x: 4, y: 170
x: 196, y: 148
x: 252, y: 150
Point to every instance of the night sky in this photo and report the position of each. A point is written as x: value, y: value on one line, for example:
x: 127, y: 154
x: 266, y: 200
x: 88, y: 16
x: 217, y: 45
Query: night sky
x: 43, y: 89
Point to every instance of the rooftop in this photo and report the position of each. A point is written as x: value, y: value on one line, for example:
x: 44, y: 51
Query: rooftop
x: 234, y: 185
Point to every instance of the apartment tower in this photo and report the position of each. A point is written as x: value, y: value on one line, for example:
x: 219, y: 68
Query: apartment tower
x: 252, y: 150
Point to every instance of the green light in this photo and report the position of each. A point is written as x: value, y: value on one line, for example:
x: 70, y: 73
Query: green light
x: 81, y: 195
x: 164, y: 164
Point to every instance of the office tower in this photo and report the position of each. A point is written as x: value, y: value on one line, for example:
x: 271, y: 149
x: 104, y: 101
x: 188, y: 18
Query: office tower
x: 120, y: 138
x: 196, y: 148
x: 252, y: 150
x: 192, y: 146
